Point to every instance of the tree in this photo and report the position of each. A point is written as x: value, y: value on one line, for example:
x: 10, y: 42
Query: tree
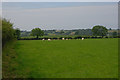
x: 17, y: 33
x: 7, y: 31
x: 37, y: 32
x: 110, y: 29
x: 99, y: 30
x: 114, y: 34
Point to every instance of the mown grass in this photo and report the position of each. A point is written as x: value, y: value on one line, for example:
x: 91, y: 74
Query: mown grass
x: 90, y: 58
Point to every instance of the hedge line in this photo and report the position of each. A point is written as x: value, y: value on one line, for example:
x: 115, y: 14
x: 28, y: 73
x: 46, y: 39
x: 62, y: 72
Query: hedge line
x: 60, y: 38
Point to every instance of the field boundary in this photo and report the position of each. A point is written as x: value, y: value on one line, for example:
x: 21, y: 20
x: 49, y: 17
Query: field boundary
x: 64, y: 38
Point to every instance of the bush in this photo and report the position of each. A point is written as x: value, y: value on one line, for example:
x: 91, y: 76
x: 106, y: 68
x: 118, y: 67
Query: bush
x: 8, y: 33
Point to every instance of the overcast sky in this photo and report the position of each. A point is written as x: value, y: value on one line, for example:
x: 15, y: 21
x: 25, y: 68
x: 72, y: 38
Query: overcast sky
x: 60, y: 0
x: 61, y: 15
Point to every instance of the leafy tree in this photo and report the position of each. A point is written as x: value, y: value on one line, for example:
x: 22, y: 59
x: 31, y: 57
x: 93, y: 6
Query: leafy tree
x: 99, y: 30
x: 110, y: 29
x: 7, y: 31
x: 37, y: 32
x: 17, y: 33
x: 114, y: 34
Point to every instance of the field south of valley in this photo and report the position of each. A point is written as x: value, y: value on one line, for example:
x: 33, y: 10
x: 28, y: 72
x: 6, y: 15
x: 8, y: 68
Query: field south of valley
x: 89, y: 58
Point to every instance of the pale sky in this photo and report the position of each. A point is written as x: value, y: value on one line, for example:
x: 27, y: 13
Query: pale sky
x: 61, y: 15
x: 60, y: 0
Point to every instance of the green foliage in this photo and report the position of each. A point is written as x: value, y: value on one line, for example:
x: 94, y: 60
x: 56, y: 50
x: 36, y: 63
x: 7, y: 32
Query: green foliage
x: 37, y: 32
x: 77, y: 33
x: 56, y: 33
x: 61, y: 32
x: 84, y: 32
x: 9, y: 64
x: 25, y: 34
x: 114, y: 34
x: 17, y: 33
x: 110, y: 29
x: 99, y: 30
x: 7, y: 31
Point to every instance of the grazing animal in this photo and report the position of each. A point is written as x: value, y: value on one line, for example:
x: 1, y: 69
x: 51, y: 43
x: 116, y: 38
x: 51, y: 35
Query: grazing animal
x: 63, y: 38
x: 82, y: 38
x: 49, y: 39
x: 66, y: 39
x: 43, y: 39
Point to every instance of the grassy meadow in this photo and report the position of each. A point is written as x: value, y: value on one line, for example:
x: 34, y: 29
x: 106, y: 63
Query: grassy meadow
x: 89, y: 58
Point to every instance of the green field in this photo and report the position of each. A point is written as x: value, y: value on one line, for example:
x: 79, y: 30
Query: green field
x: 90, y: 58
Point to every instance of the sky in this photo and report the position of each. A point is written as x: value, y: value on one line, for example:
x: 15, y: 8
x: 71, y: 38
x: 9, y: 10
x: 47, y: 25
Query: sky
x: 61, y: 15
x: 60, y: 0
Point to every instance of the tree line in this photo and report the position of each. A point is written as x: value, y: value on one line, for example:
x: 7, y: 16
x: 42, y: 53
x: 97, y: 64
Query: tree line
x: 76, y: 32
x: 9, y: 33
x: 96, y: 31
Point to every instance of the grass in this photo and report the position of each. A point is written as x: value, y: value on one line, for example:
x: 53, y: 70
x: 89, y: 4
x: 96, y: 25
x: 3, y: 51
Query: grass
x: 90, y: 58
x: 9, y: 64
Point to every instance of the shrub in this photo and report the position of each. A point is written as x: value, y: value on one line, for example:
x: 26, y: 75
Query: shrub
x: 8, y: 33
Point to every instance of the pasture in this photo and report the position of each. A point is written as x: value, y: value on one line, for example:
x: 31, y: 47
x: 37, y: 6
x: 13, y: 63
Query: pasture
x: 89, y: 58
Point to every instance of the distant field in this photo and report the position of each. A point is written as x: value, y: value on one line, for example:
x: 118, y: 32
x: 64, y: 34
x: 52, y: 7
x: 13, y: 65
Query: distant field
x: 90, y: 58
x: 52, y: 36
